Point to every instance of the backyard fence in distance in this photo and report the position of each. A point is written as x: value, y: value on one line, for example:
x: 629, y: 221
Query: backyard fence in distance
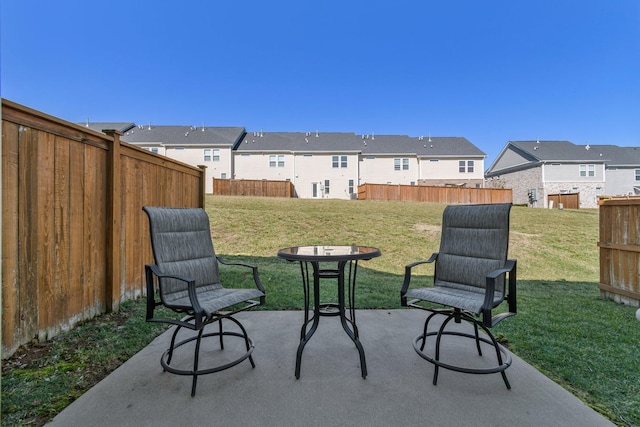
x: 620, y: 250
x: 252, y: 187
x: 74, y: 236
x: 423, y: 193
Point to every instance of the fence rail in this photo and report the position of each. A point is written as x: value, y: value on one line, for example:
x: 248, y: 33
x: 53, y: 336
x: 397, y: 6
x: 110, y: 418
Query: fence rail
x: 422, y: 193
x: 251, y: 187
x: 620, y: 250
x: 74, y: 237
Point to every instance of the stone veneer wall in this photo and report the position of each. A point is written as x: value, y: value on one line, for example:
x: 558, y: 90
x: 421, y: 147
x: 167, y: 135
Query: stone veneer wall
x: 522, y: 181
x: 588, y: 191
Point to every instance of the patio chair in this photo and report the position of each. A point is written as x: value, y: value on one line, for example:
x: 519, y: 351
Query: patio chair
x: 185, y: 278
x: 472, y: 276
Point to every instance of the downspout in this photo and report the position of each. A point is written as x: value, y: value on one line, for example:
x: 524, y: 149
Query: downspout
x: 544, y: 187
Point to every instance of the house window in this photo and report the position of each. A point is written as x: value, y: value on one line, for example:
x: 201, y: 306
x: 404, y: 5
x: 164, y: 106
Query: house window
x: 339, y: 161
x: 276, y: 161
x: 350, y: 186
x: 401, y: 164
x: 434, y: 160
x: 466, y: 166
x: 207, y: 154
x: 223, y: 175
x: 587, y: 170
x: 216, y: 155
x: 179, y: 148
x: 637, y: 174
x: 326, y: 186
x: 153, y: 149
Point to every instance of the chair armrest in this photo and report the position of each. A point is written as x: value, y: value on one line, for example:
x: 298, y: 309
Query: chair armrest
x: 153, y: 270
x: 510, y: 292
x: 407, y: 276
x: 256, y: 277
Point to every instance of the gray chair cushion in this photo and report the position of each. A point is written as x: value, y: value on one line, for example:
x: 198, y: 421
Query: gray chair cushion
x: 182, y: 246
x: 474, y: 242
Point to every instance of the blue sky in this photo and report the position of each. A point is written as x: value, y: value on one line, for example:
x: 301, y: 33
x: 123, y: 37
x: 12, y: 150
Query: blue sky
x: 490, y: 71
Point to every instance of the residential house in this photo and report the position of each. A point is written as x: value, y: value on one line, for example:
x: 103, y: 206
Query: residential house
x: 319, y: 164
x: 332, y: 165
x: 435, y: 161
x: 622, y: 170
x: 535, y: 170
x: 195, y: 145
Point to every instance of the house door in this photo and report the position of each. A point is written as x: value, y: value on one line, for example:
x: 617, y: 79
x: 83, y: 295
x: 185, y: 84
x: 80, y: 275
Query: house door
x: 314, y: 190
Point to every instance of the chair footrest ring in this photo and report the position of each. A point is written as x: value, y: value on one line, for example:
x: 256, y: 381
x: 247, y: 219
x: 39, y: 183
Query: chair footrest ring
x: 177, y: 371
x: 490, y: 370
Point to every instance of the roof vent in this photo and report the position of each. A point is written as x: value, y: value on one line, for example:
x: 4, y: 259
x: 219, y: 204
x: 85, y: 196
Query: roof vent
x: 202, y: 126
x: 87, y: 121
x: 587, y: 147
x: 186, y: 134
x: 317, y: 133
x: 372, y: 136
x: 149, y: 125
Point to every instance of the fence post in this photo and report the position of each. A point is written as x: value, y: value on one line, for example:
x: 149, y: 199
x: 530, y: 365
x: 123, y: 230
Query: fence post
x: 203, y: 184
x: 114, y: 216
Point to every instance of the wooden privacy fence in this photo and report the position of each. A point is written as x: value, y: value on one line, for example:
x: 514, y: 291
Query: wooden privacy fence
x: 620, y: 250
x: 423, y: 193
x: 74, y: 237
x: 567, y: 200
x: 252, y: 187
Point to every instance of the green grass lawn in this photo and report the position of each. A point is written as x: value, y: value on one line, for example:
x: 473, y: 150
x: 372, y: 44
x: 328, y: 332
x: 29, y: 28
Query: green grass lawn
x: 588, y: 345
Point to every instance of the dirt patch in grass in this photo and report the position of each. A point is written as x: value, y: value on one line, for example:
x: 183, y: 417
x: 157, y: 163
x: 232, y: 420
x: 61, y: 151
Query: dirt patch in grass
x: 42, y: 378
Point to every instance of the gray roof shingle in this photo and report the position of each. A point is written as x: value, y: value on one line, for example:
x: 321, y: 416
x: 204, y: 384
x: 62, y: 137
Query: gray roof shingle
x: 100, y: 126
x: 344, y: 142
x: 185, y: 135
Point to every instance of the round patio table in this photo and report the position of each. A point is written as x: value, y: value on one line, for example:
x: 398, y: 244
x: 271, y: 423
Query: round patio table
x: 339, y: 256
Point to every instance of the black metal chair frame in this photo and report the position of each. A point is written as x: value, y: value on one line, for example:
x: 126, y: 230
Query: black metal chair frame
x: 484, y: 322
x: 197, y: 319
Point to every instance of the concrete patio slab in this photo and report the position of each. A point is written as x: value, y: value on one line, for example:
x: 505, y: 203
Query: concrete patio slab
x: 331, y: 391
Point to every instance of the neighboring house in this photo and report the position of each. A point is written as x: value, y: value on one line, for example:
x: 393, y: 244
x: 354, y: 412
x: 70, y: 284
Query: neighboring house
x: 435, y: 161
x: 623, y: 171
x: 534, y: 170
x: 332, y: 165
x: 319, y: 164
x: 194, y: 145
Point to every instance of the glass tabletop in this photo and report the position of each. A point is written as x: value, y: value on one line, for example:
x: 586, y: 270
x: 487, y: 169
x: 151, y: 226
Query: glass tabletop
x: 328, y: 253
